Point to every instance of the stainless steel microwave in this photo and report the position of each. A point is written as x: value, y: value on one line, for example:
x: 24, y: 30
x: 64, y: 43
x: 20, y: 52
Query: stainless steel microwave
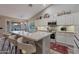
x: 52, y: 24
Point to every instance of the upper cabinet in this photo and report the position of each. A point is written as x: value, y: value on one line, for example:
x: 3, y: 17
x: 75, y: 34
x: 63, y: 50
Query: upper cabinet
x: 60, y: 20
x: 70, y: 19
x: 76, y: 18
x: 65, y: 20
x: 44, y: 22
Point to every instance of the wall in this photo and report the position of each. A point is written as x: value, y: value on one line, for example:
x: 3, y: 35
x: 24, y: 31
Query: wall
x: 3, y: 22
x: 54, y: 10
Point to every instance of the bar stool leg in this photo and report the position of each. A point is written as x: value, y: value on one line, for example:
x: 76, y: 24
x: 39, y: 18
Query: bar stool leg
x: 15, y: 49
x: 3, y: 44
x: 9, y: 47
x: 12, y: 49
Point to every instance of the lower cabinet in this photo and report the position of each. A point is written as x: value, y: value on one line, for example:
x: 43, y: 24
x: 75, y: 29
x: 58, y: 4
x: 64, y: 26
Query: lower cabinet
x: 66, y: 38
x: 77, y: 28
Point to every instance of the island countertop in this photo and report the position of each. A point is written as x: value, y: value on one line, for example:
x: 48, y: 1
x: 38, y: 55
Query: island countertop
x: 36, y: 36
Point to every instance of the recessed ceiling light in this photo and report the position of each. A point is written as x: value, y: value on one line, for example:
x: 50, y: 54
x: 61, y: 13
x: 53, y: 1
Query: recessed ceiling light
x: 44, y: 5
x: 15, y: 24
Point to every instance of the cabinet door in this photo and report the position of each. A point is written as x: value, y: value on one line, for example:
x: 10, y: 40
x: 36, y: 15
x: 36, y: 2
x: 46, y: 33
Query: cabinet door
x: 65, y: 38
x: 60, y: 37
x: 65, y: 20
x: 68, y: 20
x: 60, y: 20
x: 71, y: 20
x: 76, y: 18
x: 77, y: 28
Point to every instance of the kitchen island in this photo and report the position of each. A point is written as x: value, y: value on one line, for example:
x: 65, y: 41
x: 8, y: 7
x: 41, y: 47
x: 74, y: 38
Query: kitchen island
x: 37, y: 36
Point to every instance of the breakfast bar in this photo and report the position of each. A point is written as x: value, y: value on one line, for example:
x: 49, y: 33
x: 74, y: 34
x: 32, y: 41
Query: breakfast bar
x: 37, y: 36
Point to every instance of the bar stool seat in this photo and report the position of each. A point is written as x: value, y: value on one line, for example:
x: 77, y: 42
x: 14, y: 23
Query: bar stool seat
x: 12, y: 39
x: 24, y: 47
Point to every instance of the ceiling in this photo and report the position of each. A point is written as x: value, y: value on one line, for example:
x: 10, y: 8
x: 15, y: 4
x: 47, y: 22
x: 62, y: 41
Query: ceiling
x: 22, y: 11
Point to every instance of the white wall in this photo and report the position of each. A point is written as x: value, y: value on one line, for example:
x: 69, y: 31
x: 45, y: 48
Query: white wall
x: 54, y: 10
x: 3, y: 22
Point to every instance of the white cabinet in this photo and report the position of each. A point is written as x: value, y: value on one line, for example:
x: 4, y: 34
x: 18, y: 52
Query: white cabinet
x: 65, y: 38
x: 76, y: 19
x: 60, y: 37
x: 71, y: 20
x: 65, y: 20
x: 60, y: 20
x: 77, y: 28
x: 68, y: 19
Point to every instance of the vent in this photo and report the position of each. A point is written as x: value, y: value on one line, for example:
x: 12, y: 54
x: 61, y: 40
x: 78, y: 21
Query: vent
x: 30, y: 5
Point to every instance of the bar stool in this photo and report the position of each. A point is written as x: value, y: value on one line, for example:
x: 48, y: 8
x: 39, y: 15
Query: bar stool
x: 5, y: 37
x: 12, y: 40
x: 24, y: 47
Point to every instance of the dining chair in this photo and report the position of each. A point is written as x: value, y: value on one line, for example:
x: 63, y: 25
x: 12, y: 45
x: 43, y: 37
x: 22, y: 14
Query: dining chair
x: 24, y: 47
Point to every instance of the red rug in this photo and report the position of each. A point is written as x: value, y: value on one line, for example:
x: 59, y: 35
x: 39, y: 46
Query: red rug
x: 60, y: 48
